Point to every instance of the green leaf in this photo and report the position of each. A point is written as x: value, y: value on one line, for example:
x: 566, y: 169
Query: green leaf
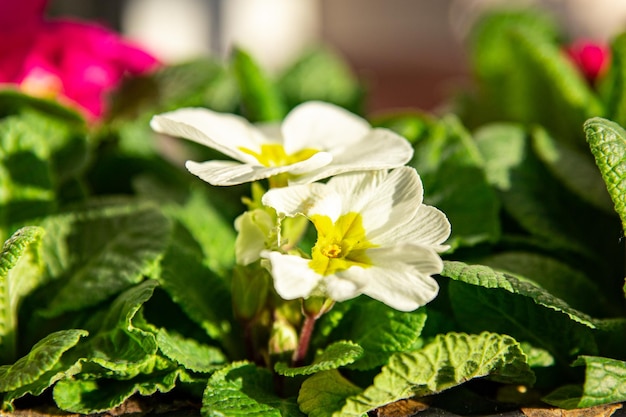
x: 574, y: 168
x: 201, y: 294
x: 336, y: 355
x: 557, y: 278
x: 95, y: 253
x: 15, y: 102
x: 20, y: 274
x: 322, y: 75
x: 260, y: 99
x: 380, y: 330
x: 189, y: 353
x: 484, y: 299
x: 608, y: 145
x: 324, y: 393
x: 210, y: 229
x: 98, y: 396
x: 41, y: 358
x: 472, y: 207
x: 605, y: 383
x: 413, y: 126
x: 243, y: 389
x: 539, y: 203
x: 447, y: 361
x: 119, y: 345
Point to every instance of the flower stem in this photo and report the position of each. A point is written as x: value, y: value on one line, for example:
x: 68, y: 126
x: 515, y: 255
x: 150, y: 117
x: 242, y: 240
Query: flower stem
x: 305, y: 339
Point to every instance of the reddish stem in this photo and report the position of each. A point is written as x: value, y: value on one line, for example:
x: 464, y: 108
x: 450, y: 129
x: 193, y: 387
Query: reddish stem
x: 305, y: 339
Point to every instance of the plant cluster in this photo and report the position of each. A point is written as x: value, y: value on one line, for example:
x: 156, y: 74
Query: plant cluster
x: 316, y: 273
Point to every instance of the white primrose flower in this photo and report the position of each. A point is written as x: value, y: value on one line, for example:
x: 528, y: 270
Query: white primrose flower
x: 316, y: 140
x: 374, y: 237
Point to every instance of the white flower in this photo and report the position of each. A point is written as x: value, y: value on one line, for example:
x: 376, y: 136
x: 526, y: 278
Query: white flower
x: 254, y: 229
x: 316, y: 140
x: 375, y: 237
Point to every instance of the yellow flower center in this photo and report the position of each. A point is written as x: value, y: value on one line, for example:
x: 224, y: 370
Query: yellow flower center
x: 339, y: 245
x: 274, y: 155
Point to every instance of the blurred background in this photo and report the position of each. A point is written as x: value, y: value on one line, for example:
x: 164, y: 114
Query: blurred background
x: 409, y: 53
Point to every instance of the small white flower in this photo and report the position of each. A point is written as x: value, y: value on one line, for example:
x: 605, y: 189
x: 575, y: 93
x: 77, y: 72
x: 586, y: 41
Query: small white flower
x: 375, y: 237
x: 254, y: 229
x: 316, y: 140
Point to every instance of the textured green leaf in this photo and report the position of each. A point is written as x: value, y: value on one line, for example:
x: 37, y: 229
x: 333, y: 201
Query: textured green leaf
x: 608, y: 145
x: 243, y: 389
x: 470, y: 203
x: 96, y: 253
x: 324, y: 393
x: 20, y: 274
x: 321, y: 75
x: 557, y: 278
x: 119, y: 345
x: 41, y: 358
x: 380, y: 330
x: 98, y: 396
x: 484, y: 299
x: 189, y: 353
x: 336, y: 355
x: 202, y: 295
x: 447, y: 361
x: 605, y: 383
x: 260, y: 98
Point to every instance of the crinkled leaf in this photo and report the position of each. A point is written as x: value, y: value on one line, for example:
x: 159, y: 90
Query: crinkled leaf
x: 41, y: 359
x: 336, y: 355
x: 608, y: 145
x: 98, y: 252
x: 243, y: 389
x: 605, y: 383
x: 20, y: 274
x: 448, y: 152
x: 484, y: 299
x: 119, y: 345
x: 97, y: 396
x: 380, y: 330
x: 189, y: 353
x: 324, y: 393
x: 260, y: 98
x: 449, y: 360
x: 556, y: 277
x: 322, y: 75
x: 201, y: 294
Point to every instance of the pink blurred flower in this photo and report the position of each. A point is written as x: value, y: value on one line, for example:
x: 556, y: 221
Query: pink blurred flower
x: 78, y: 63
x: 590, y: 57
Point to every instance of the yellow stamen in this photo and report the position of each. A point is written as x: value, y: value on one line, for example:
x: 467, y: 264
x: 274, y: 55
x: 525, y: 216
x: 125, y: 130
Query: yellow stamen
x: 274, y: 155
x: 339, y: 245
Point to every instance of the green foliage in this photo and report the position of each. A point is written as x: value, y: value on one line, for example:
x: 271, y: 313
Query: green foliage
x: 447, y: 361
x: 336, y: 355
x: 20, y: 274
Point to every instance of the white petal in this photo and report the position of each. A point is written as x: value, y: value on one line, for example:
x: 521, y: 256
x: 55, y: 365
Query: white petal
x: 322, y: 126
x: 292, y: 276
x: 223, y: 132
x: 428, y: 227
x: 379, y: 149
x: 293, y: 200
x: 401, y: 276
x: 383, y: 199
x: 233, y: 173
